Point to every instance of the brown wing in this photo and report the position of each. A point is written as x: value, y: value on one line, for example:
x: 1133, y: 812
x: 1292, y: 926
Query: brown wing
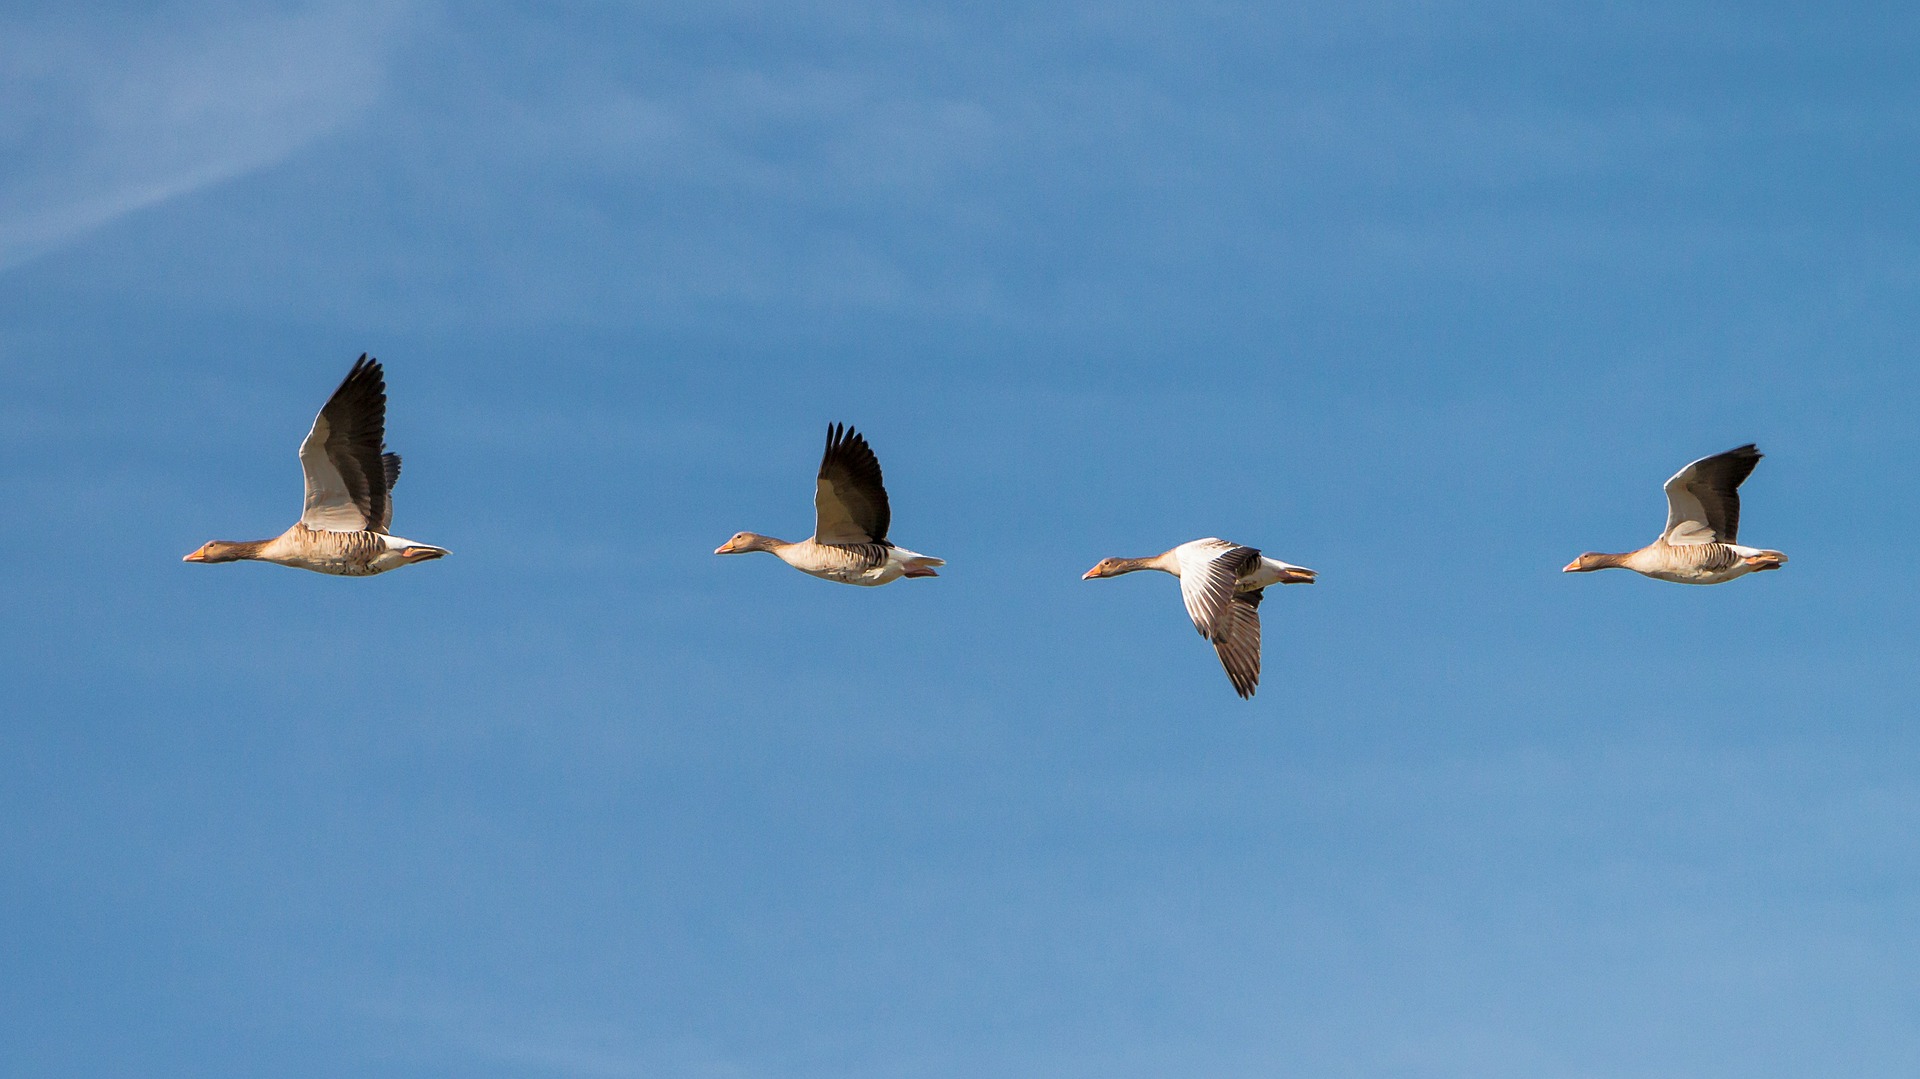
x: 849, y: 501
x: 1238, y: 642
x: 348, y: 472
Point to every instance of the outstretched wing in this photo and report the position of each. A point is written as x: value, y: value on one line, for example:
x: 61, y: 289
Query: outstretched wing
x: 1210, y: 572
x: 349, y: 476
x: 849, y: 501
x: 1239, y: 642
x: 1703, y: 499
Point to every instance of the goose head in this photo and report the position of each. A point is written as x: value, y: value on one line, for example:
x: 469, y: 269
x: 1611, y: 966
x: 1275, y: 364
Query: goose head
x: 223, y: 551
x: 1111, y: 567
x: 1591, y: 561
x: 746, y: 541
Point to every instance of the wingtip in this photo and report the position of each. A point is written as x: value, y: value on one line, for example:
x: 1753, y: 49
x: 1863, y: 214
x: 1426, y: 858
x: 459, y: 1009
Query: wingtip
x: 842, y: 434
x: 366, y: 369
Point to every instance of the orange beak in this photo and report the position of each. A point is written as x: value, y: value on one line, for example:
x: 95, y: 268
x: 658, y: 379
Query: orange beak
x: 196, y: 556
x: 1571, y: 567
x: 725, y: 548
x: 1090, y: 574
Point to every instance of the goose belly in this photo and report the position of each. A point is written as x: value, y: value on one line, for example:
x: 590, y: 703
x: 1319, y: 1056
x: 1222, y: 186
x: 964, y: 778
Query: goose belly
x: 1706, y: 563
x: 1700, y: 574
x: 869, y: 577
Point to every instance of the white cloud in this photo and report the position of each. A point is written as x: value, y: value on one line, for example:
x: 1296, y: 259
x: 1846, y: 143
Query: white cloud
x: 108, y: 119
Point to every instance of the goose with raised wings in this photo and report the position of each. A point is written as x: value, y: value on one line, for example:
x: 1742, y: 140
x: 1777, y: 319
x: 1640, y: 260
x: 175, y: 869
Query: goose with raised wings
x: 350, y: 478
x: 1221, y: 583
x: 850, y: 521
x: 1703, y: 521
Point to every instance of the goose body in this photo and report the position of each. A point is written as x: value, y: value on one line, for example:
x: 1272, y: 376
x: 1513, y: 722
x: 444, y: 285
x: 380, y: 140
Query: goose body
x: 349, y: 503
x: 866, y: 564
x: 851, y: 516
x: 1221, y: 584
x: 1703, y: 522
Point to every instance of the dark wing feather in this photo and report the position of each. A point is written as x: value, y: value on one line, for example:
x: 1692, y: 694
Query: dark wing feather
x: 849, y: 500
x: 392, y: 463
x: 1238, y: 642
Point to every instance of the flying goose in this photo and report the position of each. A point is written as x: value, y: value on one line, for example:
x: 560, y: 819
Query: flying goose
x: 850, y: 518
x: 1703, y: 520
x: 1221, y: 584
x: 350, y: 478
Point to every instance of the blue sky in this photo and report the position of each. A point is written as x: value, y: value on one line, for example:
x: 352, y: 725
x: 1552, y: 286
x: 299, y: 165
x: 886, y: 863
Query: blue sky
x: 1429, y: 297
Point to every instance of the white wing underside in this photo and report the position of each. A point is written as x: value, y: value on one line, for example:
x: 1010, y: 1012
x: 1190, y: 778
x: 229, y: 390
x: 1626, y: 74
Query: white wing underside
x: 1209, y: 577
x: 1686, y: 515
x: 1210, y: 572
x: 329, y: 507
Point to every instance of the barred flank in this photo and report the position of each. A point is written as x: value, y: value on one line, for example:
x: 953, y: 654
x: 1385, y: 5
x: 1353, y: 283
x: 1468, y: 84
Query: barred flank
x: 845, y: 557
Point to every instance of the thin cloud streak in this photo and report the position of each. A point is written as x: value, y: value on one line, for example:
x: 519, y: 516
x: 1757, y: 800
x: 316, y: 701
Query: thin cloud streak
x: 501, y: 1033
x: 111, y: 124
